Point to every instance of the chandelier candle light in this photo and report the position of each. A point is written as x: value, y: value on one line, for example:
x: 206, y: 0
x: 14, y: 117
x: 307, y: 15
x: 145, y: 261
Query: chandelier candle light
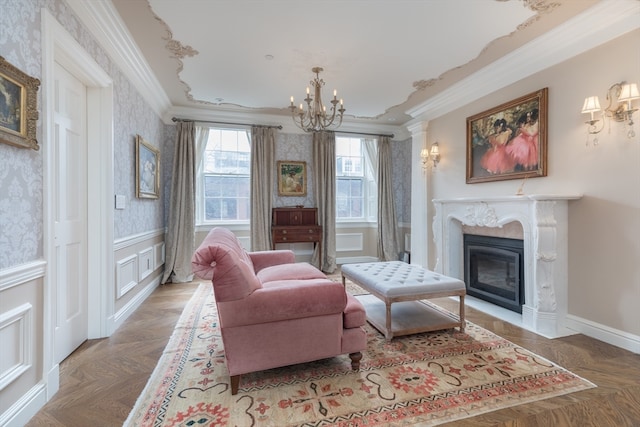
x: 315, y: 116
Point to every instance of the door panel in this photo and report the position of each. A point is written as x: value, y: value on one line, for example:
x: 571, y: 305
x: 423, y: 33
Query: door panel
x: 70, y: 215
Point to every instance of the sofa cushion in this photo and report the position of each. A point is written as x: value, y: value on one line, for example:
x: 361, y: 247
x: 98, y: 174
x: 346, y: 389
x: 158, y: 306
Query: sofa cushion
x: 222, y: 259
x: 285, y: 300
x: 297, y: 271
x: 354, y: 313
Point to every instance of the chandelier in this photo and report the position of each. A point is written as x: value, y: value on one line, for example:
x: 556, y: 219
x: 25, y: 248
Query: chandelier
x: 315, y: 116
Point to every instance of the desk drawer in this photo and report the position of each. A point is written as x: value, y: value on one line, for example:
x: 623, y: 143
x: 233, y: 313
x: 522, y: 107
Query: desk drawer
x: 301, y: 234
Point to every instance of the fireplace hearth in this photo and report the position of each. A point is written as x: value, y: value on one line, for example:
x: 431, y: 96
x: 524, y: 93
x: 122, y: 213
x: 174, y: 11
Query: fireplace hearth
x: 494, y: 270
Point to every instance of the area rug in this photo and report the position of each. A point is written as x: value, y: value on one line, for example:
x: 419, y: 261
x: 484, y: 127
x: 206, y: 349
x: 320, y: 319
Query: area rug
x: 423, y: 379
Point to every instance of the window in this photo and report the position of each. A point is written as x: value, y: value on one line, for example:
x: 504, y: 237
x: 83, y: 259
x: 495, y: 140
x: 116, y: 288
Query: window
x: 356, y: 190
x: 224, y: 182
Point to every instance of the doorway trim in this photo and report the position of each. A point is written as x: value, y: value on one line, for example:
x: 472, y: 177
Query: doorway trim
x: 59, y: 46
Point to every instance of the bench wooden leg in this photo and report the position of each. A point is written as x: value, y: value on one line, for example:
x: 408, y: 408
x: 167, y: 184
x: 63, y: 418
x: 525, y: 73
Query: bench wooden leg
x: 461, y: 315
x: 388, y: 333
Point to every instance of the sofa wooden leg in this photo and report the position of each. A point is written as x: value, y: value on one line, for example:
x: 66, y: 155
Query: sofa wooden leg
x: 235, y: 384
x: 355, y: 360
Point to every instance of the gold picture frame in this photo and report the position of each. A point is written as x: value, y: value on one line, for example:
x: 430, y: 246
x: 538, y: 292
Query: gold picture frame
x: 147, y: 170
x: 18, y: 107
x: 292, y: 178
x: 509, y: 141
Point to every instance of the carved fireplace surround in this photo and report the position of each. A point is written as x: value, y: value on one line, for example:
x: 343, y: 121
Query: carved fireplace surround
x: 544, y: 220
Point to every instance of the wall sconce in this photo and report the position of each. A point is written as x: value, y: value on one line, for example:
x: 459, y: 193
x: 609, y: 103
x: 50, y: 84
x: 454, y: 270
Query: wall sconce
x: 424, y: 158
x: 622, y: 94
x: 433, y: 154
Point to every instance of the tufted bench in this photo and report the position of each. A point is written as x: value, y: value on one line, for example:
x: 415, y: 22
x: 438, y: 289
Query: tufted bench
x: 405, y: 285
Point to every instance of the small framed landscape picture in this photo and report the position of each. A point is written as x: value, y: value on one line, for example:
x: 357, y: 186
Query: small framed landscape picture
x: 147, y: 170
x: 292, y: 178
x: 509, y: 141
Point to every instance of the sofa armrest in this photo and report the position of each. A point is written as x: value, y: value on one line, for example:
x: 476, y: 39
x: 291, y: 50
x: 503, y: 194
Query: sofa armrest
x: 264, y: 259
x: 285, y: 300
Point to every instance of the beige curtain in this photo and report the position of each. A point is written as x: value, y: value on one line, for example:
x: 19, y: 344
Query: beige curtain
x: 324, y: 181
x: 179, y: 241
x: 263, y: 147
x: 387, y: 223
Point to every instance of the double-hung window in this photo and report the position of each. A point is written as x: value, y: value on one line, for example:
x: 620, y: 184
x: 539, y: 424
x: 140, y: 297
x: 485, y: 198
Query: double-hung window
x: 224, y: 180
x: 356, y: 190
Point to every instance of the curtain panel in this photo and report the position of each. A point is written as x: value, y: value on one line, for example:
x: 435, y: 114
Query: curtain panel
x: 263, y: 148
x: 387, y: 222
x: 180, y: 238
x: 324, y: 181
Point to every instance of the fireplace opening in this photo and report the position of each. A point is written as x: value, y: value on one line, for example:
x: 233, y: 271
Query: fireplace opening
x: 494, y: 270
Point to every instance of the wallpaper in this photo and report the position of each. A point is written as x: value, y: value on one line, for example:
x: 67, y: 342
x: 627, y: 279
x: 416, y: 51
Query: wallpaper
x: 21, y: 170
x: 401, y: 163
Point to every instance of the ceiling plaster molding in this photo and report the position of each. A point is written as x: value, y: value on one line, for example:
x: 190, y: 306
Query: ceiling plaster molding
x: 604, y: 22
x: 103, y: 21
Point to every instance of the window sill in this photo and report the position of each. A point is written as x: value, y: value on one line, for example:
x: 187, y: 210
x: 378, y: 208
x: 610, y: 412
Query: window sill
x: 233, y: 226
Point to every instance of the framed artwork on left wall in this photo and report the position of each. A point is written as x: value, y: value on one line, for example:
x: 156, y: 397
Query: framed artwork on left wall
x: 147, y: 170
x: 18, y: 107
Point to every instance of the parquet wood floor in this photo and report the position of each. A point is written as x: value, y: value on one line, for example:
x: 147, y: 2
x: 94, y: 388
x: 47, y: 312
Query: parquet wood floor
x: 101, y: 380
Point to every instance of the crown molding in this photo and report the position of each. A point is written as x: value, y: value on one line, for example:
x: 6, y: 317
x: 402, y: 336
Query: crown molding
x: 605, y: 21
x: 103, y: 21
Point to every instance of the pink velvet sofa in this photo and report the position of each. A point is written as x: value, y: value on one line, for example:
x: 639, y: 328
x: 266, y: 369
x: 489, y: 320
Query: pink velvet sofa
x: 275, y: 312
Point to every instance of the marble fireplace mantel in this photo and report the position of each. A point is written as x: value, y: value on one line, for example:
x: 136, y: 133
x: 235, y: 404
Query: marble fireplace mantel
x: 544, y: 220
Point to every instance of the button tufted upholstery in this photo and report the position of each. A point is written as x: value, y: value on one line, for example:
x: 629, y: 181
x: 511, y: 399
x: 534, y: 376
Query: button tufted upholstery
x: 396, y: 278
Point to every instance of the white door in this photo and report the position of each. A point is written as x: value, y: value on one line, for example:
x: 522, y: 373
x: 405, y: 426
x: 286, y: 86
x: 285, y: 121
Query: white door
x: 69, y: 259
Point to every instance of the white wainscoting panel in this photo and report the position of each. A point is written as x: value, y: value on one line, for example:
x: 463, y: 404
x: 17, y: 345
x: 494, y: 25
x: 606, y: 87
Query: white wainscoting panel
x: 158, y: 255
x: 349, y: 242
x: 126, y: 274
x: 16, y: 335
x: 145, y: 263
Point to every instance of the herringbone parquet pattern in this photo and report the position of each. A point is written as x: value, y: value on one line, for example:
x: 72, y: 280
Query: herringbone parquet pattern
x: 102, y: 379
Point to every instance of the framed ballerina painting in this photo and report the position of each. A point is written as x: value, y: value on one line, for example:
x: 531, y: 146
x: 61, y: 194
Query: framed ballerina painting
x: 509, y: 141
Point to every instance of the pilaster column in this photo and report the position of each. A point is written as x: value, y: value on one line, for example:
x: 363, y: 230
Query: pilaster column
x: 420, y: 230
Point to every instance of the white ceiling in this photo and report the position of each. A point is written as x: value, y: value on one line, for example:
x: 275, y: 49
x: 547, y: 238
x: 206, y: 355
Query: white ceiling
x: 384, y: 57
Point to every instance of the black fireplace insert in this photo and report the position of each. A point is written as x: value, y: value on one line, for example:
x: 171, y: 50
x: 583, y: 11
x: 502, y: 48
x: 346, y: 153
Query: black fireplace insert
x: 494, y: 270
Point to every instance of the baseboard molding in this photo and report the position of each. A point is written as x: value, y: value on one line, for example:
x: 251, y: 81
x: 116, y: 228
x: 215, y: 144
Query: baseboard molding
x: 25, y: 408
x: 604, y: 333
x: 123, y: 314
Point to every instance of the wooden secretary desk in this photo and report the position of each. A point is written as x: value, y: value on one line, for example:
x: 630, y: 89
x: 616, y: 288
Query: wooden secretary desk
x: 295, y: 225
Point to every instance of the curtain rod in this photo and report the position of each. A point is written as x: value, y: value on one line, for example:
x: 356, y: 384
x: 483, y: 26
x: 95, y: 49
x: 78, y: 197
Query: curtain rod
x: 175, y: 119
x: 390, y: 135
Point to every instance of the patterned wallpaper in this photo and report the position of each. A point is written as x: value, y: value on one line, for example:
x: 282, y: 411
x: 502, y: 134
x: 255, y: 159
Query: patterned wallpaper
x: 296, y: 147
x: 401, y: 162
x: 21, y: 170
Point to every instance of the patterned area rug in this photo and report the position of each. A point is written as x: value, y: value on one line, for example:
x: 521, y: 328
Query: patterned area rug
x: 423, y: 379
